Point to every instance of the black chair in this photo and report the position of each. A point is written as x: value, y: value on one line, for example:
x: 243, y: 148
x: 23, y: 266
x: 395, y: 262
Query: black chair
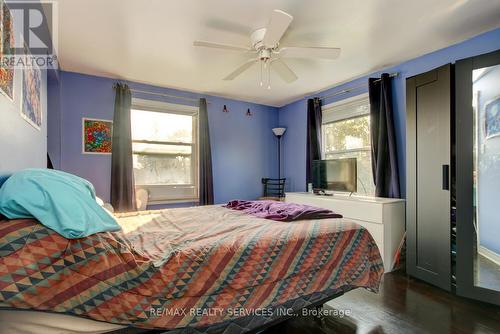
x: 274, y: 188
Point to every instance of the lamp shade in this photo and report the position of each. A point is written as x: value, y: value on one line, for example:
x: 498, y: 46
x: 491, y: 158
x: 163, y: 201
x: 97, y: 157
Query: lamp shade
x: 278, y: 132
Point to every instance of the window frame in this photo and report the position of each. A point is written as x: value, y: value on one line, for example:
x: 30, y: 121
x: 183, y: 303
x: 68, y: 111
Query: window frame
x: 336, y: 112
x: 349, y: 150
x: 172, y: 193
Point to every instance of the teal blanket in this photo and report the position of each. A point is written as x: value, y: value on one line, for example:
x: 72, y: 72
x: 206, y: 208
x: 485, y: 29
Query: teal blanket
x: 61, y: 201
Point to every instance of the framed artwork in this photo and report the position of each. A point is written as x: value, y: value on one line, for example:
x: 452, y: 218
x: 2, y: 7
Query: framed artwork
x: 31, y: 106
x: 492, y: 118
x: 97, y: 136
x: 6, y: 49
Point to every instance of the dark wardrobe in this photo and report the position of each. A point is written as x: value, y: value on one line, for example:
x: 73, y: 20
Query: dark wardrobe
x: 453, y: 177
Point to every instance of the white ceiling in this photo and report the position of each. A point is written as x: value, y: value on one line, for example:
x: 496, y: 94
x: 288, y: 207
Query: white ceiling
x: 150, y: 41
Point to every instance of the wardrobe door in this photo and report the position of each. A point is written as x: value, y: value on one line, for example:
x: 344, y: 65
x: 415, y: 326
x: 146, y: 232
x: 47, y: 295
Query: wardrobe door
x: 478, y: 177
x: 428, y: 107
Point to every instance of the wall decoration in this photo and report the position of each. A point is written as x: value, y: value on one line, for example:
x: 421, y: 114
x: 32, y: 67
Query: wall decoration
x: 97, y: 135
x: 492, y: 118
x: 6, y: 49
x: 31, y: 105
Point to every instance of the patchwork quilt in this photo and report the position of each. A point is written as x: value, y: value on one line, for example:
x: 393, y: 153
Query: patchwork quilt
x: 184, y: 268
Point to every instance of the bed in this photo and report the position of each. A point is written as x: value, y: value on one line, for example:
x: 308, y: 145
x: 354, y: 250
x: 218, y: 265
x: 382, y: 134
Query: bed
x: 197, y: 270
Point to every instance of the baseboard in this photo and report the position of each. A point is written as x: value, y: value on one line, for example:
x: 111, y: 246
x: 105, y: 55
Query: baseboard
x: 489, y: 254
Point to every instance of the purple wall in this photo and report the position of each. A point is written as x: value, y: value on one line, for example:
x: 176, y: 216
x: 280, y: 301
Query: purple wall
x: 293, y: 116
x: 54, y: 118
x: 21, y: 145
x: 244, y: 148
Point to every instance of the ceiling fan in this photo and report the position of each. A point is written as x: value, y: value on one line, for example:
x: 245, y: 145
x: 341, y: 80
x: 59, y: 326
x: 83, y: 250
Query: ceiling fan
x: 269, y: 54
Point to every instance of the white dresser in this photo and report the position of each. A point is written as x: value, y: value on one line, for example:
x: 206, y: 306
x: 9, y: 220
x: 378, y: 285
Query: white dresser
x: 384, y: 218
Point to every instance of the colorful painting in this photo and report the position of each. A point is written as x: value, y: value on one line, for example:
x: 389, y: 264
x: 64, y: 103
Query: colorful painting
x: 97, y: 135
x: 6, y: 49
x: 31, y: 106
x: 492, y: 118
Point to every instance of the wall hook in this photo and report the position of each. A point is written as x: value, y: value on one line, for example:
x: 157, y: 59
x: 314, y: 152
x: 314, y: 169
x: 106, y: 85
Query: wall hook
x: 248, y: 112
x: 225, y: 109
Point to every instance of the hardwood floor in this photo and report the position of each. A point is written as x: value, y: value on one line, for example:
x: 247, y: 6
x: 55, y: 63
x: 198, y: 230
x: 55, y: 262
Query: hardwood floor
x: 403, y: 305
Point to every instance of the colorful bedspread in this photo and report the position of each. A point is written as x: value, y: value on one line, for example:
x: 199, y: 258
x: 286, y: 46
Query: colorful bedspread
x: 188, y: 267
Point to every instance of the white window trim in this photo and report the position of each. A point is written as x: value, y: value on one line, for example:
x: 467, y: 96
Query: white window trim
x: 335, y: 111
x: 339, y: 111
x: 158, y: 194
x: 160, y: 106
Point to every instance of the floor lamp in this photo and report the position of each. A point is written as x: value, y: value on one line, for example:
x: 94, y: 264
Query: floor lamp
x: 278, y: 132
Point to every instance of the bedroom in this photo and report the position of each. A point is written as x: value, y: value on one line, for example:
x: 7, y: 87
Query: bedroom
x: 265, y: 166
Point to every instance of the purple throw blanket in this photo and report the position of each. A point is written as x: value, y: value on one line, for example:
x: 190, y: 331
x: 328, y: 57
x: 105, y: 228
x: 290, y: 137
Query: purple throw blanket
x: 281, y: 211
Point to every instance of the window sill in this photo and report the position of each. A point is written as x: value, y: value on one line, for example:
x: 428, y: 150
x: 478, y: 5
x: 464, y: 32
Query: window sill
x: 174, y: 201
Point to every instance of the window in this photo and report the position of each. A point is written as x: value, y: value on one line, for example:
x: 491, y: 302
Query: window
x: 346, y: 134
x: 165, y: 152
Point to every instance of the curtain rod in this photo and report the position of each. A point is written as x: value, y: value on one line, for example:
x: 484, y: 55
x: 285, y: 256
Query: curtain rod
x: 350, y: 89
x: 164, y: 95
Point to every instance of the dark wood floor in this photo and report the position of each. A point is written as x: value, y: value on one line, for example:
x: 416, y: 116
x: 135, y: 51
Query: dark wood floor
x: 403, y: 305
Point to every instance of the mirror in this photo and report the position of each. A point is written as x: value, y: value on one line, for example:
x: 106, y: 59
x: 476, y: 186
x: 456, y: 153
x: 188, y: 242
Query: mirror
x: 486, y: 177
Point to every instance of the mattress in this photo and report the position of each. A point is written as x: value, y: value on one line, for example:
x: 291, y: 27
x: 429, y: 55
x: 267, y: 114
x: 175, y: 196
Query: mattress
x: 184, y: 268
x: 34, y: 322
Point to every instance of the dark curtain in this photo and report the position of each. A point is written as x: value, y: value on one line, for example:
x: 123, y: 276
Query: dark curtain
x: 122, y: 174
x: 50, y: 165
x: 313, y: 148
x: 206, y: 180
x: 384, y: 153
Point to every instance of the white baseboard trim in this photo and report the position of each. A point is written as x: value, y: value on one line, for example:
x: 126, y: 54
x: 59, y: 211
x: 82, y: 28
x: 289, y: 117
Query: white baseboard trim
x: 489, y: 254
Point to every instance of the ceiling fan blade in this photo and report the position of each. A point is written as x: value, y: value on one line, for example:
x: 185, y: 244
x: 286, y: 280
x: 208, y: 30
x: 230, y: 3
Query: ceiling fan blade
x: 220, y: 46
x: 276, y: 28
x: 283, y: 71
x: 240, y: 69
x: 312, y: 52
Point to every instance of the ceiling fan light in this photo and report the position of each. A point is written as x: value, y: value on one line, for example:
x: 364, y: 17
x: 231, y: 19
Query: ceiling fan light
x: 268, y: 51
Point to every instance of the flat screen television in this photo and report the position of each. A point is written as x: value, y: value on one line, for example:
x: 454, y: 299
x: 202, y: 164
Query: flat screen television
x: 335, y: 175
